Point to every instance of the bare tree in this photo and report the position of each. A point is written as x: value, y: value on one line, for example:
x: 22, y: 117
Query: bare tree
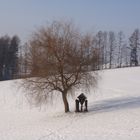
x: 134, y: 46
x: 111, y: 48
x: 57, y: 61
x: 100, y: 46
x: 120, y: 48
x: 105, y: 41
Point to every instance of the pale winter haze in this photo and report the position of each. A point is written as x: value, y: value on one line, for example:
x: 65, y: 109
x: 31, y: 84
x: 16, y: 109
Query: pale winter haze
x: 23, y: 16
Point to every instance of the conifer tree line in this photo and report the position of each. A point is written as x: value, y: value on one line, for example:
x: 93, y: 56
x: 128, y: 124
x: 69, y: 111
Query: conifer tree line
x: 115, y: 50
x: 9, y: 57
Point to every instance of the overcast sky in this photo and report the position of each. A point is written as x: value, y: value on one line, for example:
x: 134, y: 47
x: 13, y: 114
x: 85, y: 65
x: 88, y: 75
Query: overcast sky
x: 22, y: 17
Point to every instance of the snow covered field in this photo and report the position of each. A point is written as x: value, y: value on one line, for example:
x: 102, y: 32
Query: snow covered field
x: 114, y: 112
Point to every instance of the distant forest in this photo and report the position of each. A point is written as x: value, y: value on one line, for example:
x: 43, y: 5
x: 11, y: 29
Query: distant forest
x: 115, y: 51
x: 9, y: 57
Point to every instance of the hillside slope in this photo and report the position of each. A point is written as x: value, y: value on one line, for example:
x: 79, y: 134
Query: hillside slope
x: 114, y: 110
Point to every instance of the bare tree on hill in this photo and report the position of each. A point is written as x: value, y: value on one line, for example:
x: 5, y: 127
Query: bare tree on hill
x: 134, y: 46
x: 112, y: 46
x: 59, y: 59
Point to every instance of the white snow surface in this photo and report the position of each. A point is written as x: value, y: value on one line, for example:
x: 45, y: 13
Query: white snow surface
x: 114, y: 112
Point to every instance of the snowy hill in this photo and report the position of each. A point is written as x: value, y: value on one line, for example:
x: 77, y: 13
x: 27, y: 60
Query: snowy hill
x: 114, y: 112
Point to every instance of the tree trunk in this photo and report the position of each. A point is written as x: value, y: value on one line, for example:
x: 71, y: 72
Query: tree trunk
x: 66, y: 104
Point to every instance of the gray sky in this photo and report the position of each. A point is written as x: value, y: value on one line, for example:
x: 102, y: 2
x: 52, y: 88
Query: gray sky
x: 22, y: 17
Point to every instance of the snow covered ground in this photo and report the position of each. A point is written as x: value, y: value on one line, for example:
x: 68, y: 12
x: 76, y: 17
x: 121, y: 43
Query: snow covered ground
x: 114, y: 112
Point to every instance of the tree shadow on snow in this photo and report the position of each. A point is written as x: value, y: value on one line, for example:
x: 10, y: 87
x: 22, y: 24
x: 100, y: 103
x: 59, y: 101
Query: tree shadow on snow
x: 115, y: 104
